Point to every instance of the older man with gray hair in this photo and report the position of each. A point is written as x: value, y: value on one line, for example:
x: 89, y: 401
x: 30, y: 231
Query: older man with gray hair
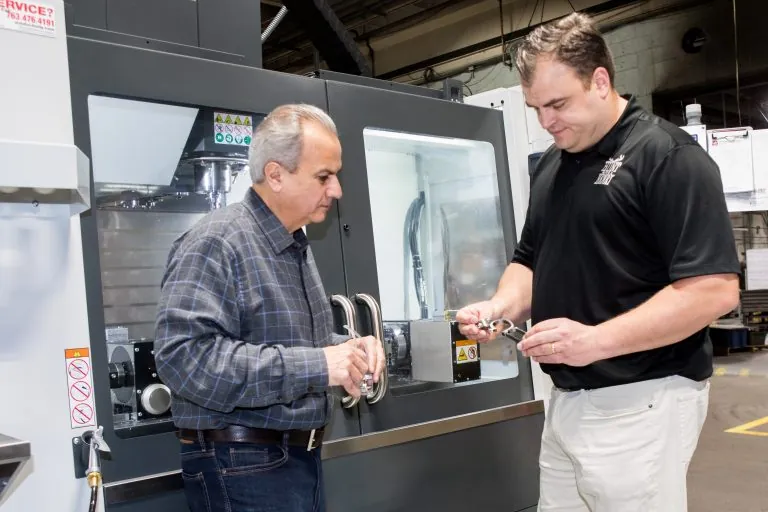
x: 244, y: 333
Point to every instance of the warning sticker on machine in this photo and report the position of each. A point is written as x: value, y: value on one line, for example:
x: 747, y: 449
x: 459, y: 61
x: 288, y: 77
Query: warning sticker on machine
x: 233, y: 129
x: 80, y: 387
x: 31, y: 17
x: 466, y: 351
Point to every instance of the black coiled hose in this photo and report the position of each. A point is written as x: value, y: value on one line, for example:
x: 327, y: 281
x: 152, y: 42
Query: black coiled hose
x: 94, y: 497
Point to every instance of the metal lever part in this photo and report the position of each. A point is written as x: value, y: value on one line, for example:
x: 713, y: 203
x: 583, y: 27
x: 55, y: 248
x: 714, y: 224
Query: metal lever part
x: 350, y: 315
x: 96, y: 447
x: 366, y: 385
x: 379, y: 389
x: 510, y: 331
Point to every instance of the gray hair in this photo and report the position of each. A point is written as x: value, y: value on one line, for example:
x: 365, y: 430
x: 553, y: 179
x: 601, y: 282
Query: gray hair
x: 279, y: 137
x: 573, y: 40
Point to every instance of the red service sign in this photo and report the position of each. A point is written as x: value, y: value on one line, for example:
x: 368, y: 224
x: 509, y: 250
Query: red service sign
x: 31, y: 17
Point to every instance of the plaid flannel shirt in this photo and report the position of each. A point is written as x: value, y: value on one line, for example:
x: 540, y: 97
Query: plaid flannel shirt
x: 241, y: 323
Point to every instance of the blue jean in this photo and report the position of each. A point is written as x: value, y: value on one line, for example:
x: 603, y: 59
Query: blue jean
x: 244, y: 477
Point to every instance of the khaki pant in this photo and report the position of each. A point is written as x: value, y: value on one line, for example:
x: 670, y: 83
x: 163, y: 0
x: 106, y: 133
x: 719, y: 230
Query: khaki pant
x: 623, y: 448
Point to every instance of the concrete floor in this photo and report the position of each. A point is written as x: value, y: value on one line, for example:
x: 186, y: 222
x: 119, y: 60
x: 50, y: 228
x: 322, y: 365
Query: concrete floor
x: 743, y: 364
x: 729, y: 470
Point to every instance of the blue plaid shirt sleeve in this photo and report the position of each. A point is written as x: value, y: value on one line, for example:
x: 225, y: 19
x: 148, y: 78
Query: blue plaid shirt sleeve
x: 338, y: 339
x: 198, y: 353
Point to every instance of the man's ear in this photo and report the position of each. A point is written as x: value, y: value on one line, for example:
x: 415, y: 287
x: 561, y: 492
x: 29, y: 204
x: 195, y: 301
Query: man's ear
x: 273, y: 176
x: 601, y: 81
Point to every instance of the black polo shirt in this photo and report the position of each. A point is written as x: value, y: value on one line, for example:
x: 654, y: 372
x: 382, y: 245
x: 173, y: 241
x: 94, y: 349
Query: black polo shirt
x: 609, y: 227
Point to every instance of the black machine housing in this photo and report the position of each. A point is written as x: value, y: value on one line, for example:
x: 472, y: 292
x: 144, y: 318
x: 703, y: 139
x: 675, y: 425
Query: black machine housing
x: 168, y: 71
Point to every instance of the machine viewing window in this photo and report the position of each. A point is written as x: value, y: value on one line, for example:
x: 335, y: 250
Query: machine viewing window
x: 157, y: 169
x: 439, y: 246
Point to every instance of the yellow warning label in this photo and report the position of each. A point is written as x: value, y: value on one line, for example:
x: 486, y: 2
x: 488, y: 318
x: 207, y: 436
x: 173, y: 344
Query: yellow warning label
x: 247, y: 121
x: 228, y: 120
x: 219, y: 119
x: 466, y: 351
x: 237, y: 121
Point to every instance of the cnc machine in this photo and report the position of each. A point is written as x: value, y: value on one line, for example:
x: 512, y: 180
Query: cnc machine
x: 119, y: 141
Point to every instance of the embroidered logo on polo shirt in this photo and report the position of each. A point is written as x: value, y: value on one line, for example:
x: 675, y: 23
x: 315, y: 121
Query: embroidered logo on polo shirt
x: 609, y: 170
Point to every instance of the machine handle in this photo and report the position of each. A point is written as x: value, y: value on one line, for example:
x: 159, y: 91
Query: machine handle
x: 350, y: 319
x: 374, y: 310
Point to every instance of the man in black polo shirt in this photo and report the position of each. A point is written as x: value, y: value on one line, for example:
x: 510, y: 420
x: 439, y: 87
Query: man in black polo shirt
x: 627, y: 254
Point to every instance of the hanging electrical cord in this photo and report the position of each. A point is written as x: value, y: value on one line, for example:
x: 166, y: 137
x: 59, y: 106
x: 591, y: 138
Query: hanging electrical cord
x: 736, y: 51
x: 94, y: 498
x: 536, y: 6
x: 411, y: 246
x: 501, y: 24
x: 419, y: 281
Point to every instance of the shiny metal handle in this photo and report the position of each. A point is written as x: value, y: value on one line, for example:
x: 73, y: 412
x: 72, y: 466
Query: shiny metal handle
x: 350, y: 317
x: 379, y: 388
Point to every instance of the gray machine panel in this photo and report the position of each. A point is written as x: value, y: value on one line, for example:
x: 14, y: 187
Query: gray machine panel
x: 223, y: 30
x: 335, y: 76
x: 231, y: 26
x: 428, y: 474
x: 89, y: 13
x: 325, y: 240
x: 128, y: 72
x: 166, y: 20
x: 355, y: 108
x: 172, y: 501
x: 484, y: 460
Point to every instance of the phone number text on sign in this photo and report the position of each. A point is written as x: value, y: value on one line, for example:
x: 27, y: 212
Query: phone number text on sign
x: 35, y: 18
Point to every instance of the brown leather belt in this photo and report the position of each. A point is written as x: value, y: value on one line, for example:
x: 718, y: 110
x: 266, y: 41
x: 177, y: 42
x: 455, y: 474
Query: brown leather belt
x: 310, y: 439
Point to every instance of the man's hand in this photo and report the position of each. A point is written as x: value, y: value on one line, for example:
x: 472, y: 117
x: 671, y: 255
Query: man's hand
x: 375, y: 356
x: 563, y: 341
x: 347, y: 363
x: 469, y: 316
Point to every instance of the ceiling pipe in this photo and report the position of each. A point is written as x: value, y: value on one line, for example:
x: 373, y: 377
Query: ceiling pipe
x: 594, y: 10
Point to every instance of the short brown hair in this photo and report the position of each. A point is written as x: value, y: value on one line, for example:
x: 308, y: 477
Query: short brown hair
x: 573, y: 40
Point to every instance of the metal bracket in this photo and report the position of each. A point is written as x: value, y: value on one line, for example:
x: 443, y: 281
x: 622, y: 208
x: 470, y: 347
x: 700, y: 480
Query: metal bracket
x: 81, y: 451
x: 80, y: 456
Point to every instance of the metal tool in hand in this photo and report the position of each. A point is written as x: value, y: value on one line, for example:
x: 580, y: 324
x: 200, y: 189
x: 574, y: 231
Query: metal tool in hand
x: 366, y: 385
x: 508, y: 330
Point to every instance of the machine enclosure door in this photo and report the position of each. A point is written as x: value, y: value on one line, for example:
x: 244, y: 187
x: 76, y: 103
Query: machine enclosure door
x: 395, y: 145
x: 123, y: 72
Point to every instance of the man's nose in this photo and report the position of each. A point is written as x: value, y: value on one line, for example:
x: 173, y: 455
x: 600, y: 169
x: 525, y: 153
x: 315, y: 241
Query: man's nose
x: 334, y: 189
x: 547, y: 118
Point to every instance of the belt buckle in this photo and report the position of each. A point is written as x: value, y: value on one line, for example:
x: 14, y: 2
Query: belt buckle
x: 311, y: 443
